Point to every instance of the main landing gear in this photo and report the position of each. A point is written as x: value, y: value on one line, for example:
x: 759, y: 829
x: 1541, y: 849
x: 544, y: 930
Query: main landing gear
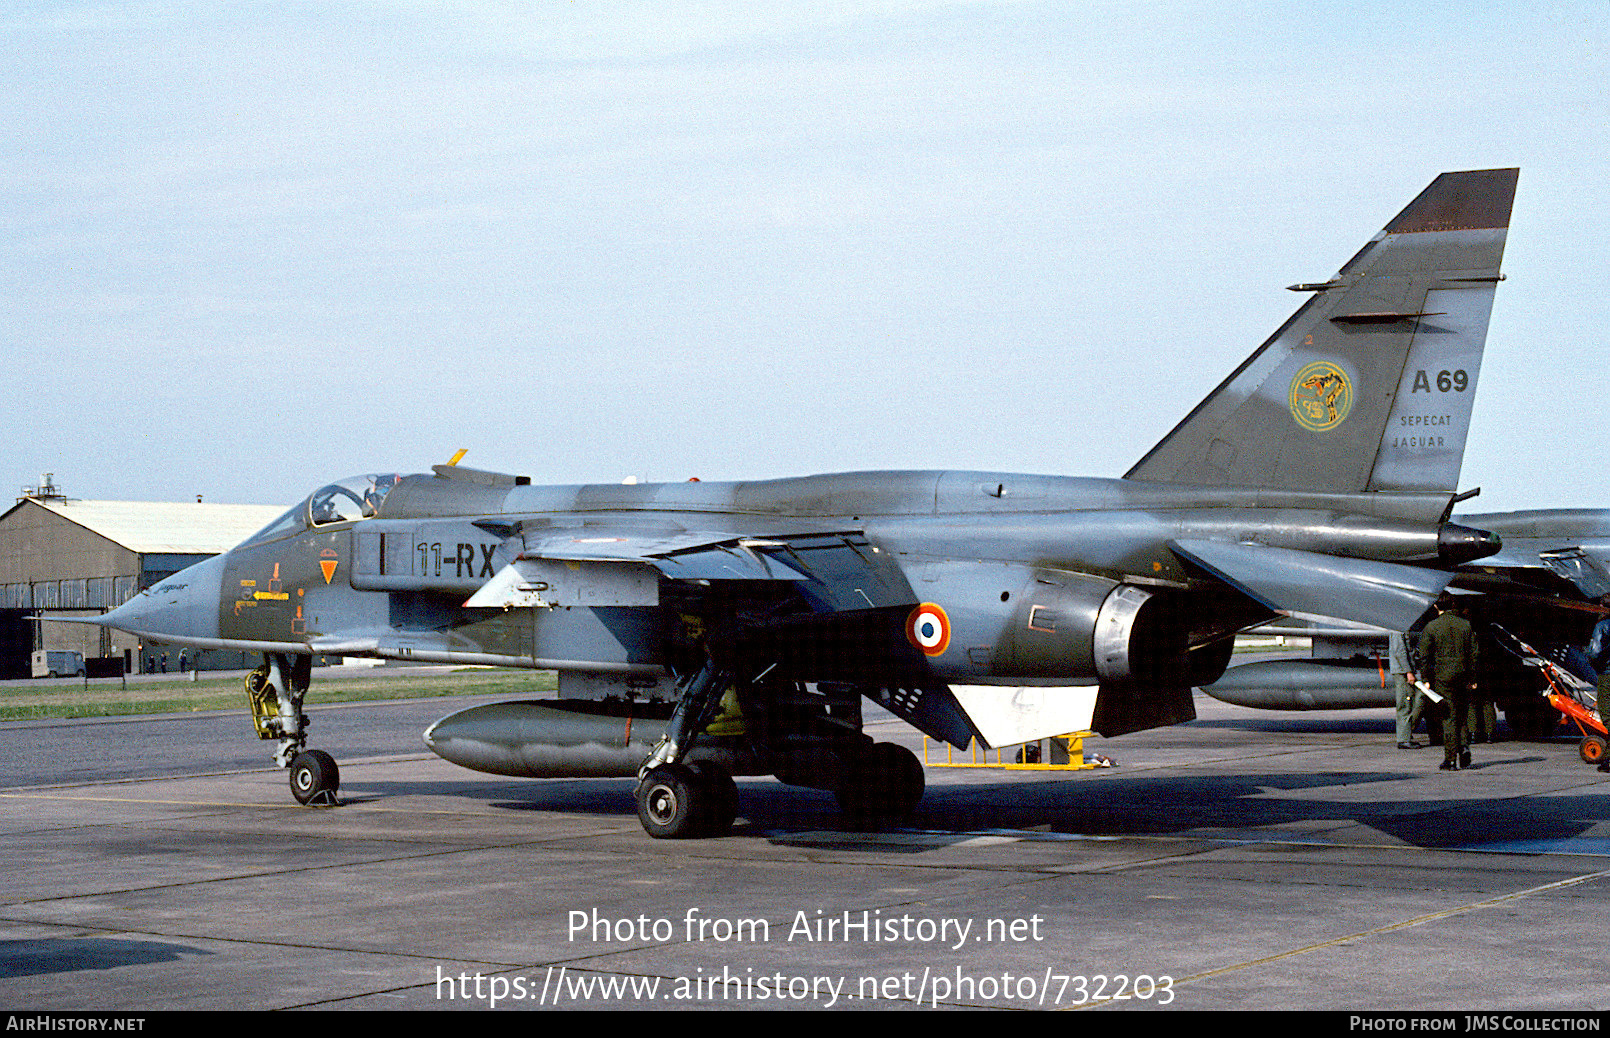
x: 275, y: 691
x: 685, y: 788
x: 883, y: 781
x: 677, y: 801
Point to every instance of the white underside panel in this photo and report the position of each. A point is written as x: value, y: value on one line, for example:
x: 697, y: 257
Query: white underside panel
x: 1004, y: 716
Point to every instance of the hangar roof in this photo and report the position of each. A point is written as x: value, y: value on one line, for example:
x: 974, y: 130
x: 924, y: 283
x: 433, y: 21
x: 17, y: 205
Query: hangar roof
x: 164, y: 527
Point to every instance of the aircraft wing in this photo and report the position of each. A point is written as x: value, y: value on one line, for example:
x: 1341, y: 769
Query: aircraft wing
x: 1301, y: 582
x: 834, y: 571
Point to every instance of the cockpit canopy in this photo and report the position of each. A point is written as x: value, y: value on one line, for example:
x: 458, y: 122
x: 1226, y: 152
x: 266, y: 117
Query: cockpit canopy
x: 346, y: 500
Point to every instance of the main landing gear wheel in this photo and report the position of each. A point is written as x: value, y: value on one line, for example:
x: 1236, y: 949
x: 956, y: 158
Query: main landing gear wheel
x: 884, y: 783
x: 679, y: 801
x: 314, y: 777
x: 667, y: 801
x: 1593, y: 748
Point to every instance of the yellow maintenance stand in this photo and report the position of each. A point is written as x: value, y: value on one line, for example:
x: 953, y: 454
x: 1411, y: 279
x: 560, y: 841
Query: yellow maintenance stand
x: 1058, y: 753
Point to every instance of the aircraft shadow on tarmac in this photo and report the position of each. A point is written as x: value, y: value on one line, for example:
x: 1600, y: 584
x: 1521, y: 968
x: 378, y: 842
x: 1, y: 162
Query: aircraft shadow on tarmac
x: 1214, y: 807
x: 73, y: 954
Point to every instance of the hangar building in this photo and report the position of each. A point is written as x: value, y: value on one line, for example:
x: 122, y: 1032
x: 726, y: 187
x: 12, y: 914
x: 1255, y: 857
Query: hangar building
x: 65, y: 557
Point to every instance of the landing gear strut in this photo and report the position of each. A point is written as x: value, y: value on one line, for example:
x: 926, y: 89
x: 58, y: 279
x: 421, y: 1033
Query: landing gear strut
x: 806, y: 736
x: 676, y: 800
x: 275, y: 692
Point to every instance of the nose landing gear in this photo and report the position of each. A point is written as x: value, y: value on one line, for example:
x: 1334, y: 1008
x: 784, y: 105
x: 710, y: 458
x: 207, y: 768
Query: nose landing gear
x: 275, y: 692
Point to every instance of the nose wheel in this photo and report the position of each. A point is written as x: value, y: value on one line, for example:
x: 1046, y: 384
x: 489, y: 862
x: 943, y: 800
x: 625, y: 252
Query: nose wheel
x: 275, y: 692
x: 315, y: 778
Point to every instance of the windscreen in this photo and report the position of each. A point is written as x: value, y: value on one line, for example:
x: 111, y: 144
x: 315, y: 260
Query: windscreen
x: 356, y: 497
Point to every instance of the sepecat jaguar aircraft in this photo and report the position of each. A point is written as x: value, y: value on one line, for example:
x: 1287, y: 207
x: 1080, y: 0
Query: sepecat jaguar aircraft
x: 703, y: 630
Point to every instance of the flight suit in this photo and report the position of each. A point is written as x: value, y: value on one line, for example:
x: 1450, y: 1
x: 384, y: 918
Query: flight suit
x: 1448, y: 662
x: 1411, y: 705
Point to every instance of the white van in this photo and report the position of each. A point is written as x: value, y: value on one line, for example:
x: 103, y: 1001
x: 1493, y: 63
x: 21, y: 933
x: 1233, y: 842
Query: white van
x: 51, y: 664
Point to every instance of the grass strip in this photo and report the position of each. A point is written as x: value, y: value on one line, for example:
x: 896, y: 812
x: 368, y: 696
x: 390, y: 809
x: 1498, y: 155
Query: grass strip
x: 109, y: 698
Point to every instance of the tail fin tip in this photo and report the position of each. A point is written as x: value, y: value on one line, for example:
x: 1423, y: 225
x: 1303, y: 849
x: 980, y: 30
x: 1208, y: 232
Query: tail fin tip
x: 1472, y: 200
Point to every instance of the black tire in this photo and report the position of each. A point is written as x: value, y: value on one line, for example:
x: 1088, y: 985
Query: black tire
x: 670, y: 803
x: 1592, y: 748
x: 719, y: 795
x: 884, y: 783
x: 314, y: 776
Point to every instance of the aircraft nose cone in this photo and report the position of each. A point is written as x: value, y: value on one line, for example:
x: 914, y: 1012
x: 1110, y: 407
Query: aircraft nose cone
x: 181, y: 609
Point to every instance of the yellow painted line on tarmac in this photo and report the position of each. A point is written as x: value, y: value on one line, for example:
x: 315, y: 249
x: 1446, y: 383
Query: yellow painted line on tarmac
x: 1403, y: 925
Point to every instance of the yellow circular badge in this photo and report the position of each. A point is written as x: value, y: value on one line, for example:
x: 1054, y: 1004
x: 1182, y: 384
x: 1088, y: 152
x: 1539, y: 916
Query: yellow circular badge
x: 1321, y: 396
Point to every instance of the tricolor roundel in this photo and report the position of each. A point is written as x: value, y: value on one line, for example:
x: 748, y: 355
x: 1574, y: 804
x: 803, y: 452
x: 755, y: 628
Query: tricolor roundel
x: 928, y: 628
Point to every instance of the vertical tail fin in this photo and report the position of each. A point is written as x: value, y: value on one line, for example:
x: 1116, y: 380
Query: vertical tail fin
x: 1369, y: 385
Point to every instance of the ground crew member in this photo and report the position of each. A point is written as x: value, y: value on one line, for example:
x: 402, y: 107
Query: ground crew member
x: 1410, y: 703
x: 1448, y: 659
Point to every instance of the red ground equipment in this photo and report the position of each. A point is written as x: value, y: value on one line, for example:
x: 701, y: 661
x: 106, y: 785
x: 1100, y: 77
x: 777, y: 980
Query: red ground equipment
x: 1566, y: 692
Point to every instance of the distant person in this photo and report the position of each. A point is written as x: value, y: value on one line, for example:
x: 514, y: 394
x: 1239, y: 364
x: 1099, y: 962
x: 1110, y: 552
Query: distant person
x: 1411, y: 704
x: 1598, y: 647
x: 1448, y: 660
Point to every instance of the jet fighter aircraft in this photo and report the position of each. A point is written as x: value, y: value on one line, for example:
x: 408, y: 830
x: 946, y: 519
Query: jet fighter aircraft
x: 708, y: 629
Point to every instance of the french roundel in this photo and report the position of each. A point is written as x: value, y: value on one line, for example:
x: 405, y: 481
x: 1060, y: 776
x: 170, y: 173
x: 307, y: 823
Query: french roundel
x: 928, y: 628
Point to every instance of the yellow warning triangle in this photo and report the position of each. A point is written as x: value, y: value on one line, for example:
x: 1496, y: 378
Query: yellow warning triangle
x: 328, y: 566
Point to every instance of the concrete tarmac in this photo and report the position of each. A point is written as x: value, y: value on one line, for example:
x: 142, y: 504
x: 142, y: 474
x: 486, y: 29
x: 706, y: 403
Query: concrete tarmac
x: 1245, y: 861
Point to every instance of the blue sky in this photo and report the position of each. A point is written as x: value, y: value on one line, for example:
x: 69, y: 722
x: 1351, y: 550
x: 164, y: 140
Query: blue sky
x: 247, y: 249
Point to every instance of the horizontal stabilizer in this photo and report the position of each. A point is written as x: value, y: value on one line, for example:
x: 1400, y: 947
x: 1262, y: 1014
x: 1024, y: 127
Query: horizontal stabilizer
x: 1579, y: 568
x: 1303, y: 582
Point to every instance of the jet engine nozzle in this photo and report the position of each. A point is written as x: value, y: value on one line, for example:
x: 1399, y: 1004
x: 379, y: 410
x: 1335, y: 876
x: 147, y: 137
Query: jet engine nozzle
x: 1456, y: 544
